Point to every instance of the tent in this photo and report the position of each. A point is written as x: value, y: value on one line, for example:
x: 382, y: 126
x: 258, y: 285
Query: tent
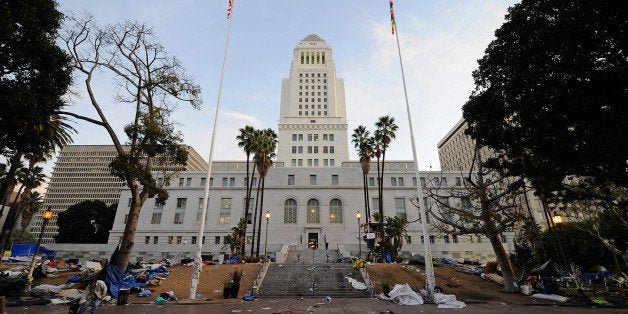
x: 29, y: 249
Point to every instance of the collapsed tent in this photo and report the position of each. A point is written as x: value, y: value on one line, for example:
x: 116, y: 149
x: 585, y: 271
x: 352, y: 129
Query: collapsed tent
x: 404, y: 295
x: 29, y: 249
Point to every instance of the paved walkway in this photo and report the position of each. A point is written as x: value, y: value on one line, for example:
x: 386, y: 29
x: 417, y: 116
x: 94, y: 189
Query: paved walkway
x: 297, y: 305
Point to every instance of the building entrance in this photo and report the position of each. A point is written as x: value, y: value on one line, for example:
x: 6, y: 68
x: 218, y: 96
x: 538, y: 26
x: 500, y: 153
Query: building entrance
x: 312, y: 240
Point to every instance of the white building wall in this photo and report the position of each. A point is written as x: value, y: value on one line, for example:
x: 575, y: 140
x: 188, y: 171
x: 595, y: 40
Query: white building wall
x: 349, y: 190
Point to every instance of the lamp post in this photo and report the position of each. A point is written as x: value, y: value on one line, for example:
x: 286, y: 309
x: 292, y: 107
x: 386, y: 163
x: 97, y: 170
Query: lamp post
x: 557, y: 220
x: 46, y: 215
x: 266, y: 242
x: 358, y: 215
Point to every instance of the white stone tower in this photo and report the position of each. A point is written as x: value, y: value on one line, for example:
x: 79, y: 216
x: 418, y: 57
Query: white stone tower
x: 313, y: 117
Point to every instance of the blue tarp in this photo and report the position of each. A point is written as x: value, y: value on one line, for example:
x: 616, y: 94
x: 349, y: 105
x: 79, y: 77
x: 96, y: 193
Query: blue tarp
x: 593, y: 276
x: 29, y: 249
x: 114, y: 279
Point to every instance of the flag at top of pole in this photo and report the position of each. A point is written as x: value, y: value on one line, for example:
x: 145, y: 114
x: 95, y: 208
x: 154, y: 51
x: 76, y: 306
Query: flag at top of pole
x: 392, y: 17
x: 231, y: 7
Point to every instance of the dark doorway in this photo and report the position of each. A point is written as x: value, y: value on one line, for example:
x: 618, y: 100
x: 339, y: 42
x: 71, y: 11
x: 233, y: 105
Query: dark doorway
x: 312, y: 240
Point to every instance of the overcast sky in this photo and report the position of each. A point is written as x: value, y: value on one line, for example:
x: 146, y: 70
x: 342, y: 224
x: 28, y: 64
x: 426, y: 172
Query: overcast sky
x: 440, y: 44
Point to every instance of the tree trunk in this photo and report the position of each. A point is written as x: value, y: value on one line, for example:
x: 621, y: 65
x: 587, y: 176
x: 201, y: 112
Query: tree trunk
x: 247, y: 200
x: 255, y: 216
x: 127, y: 243
x: 381, y: 187
x: 259, y: 221
x: 504, y: 263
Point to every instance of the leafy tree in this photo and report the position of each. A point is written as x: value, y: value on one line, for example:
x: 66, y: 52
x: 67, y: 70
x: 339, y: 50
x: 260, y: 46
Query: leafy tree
x: 86, y: 222
x: 34, y: 75
x: 246, y: 141
x: 394, y: 231
x: 551, y: 95
x: 153, y: 83
x: 29, y: 205
x: 486, y: 204
x: 363, y: 143
x: 22, y: 236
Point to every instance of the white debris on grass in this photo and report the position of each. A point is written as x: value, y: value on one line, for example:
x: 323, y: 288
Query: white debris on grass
x: 448, y: 301
x: 553, y: 297
x: 404, y: 295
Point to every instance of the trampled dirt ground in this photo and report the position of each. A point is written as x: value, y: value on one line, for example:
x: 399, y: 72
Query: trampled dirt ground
x: 466, y: 287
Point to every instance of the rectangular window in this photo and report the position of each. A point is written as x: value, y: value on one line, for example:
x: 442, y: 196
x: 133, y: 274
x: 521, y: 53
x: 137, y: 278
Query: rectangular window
x: 315, y: 149
x: 400, y: 181
x: 157, y: 210
x: 432, y: 239
x: 331, y: 137
x: 147, y: 240
x: 309, y: 162
x: 371, y: 181
x: 409, y: 239
x: 312, y: 179
x: 203, y: 181
x: 181, y: 180
x: 188, y: 182
x: 423, y: 183
x: 325, y: 162
x: 446, y: 239
x: 179, y: 211
x: 211, y: 181
x: 478, y: 239
x: 300, y: 137
x: 199, y: 210
x: 224, y: 181
x: 436, y: 181
x: 332, y: 162
x: 294, y: 136
x: 290, y: 179
x: 293, y: 162
x: 334, y: 179
x: 315, y: 137
x: 231, y: 181
x: 375, y: 206
x: 179, y: 239
x: 309, y: 149
x: 443, y: 181
x: 393, y: 181
x: 331, y: 149
x: 413, y: 181
x: 299, y: 162
x: 400, y: 207
x: 294, y: 149
x: 458, y: 181
x: 193, y: 239
x: 170, y: 239
x: 454, y: 239
x: 315, y: 162
x: 300, y: 150
x: 325, y: 150
x: 155, y: 240
x: 225, y: 211
x: 309, y: 137
x: 216, y: 240
x: 324, y: 137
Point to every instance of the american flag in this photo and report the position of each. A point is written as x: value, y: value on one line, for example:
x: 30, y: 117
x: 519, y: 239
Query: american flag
x: 229, y: 9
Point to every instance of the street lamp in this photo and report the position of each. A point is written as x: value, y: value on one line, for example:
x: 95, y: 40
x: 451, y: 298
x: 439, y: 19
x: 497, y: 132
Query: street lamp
x: 266, y: 242
x: 46, y: 215
x: 557, y: 220
x: 358, y: 215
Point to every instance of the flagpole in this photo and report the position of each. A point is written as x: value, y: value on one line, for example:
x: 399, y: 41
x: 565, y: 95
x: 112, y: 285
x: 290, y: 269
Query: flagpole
x: 429, y: 267
x: 198, y: 263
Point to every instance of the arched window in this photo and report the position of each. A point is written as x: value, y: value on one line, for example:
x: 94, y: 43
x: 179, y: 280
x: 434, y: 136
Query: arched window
x: 335, y: 211
x: 313, y: 212
x: 290, y: 211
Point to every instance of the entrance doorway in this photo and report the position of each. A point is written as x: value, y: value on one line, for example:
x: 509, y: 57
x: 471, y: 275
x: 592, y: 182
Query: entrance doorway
x: 312, y: 240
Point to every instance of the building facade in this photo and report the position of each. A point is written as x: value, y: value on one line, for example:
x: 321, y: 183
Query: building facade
x: 81, y: 173
x: 312, y: 130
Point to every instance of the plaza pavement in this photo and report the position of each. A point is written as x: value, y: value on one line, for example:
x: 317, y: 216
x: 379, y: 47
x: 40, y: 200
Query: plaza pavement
x: 311, y: 305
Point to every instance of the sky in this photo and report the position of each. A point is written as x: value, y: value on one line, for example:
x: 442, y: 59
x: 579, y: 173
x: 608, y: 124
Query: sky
x: 440, y: 42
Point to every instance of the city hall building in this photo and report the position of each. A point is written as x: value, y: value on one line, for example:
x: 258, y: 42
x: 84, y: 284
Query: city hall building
x: 312, y: 192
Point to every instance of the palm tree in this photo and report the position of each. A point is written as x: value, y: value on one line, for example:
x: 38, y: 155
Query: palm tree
x: 363, y: 144
x: 264, y: 154
x: 385, y: 132
x: 28, y: 178
x: 29, y: 205
x: 245, y: 141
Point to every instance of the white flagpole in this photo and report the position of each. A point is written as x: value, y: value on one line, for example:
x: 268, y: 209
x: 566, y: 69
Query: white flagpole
x: 198, y: 263
x: 429, y: 268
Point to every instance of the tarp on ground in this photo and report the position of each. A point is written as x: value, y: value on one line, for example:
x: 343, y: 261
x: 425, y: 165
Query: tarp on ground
x: 114, y: 279
x: 403, y: 295
x: 29, y: 249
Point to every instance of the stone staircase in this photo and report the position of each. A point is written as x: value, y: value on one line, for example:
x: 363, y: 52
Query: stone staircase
x: 306, y: 273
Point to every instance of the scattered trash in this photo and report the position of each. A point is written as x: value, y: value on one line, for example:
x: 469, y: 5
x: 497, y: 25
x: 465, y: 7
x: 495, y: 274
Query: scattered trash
x: 448, y: 301
x: 356, y: 284
x: 553, y: 297
x: 328, y: 299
